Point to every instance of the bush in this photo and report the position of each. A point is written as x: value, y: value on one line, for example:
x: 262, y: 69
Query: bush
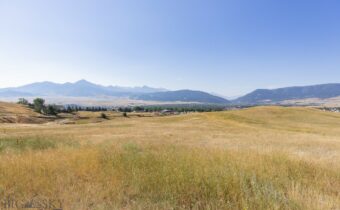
x: 103, y: 115
x: 51, y: 110
x: 23, y: 101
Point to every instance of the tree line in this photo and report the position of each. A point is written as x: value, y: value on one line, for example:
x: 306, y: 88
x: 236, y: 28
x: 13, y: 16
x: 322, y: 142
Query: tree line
x: 40, y: 106
x: 181, y: 108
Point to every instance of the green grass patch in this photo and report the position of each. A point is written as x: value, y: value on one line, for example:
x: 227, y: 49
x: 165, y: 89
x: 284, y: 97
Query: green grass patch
x: 33, y: 143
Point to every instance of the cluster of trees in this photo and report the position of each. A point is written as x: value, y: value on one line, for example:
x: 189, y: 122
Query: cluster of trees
x: 75, y: 108
x: 39, y: 106
x: 180, y: 108
x: 175, y: 108
x: 23, y: 101
x: 125, y: 109
x: 331, y: 109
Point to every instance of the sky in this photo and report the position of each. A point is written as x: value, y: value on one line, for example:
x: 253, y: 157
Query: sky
x: 227, y: 47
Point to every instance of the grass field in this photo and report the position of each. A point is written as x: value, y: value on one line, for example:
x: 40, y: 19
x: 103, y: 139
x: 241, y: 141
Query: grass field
x: 258, y: 158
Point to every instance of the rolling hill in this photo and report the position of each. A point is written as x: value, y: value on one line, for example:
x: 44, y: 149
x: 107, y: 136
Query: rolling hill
x: 15, y: 113
x: 265, y: 96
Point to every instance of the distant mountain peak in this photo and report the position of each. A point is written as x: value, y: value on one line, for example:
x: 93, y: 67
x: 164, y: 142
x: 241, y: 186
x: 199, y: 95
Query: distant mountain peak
x: 84, y: 82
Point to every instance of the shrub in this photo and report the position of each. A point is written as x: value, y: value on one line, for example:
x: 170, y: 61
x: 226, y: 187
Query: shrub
x: 23, y: 101
x: 103, y: 115
x: 51, y: 110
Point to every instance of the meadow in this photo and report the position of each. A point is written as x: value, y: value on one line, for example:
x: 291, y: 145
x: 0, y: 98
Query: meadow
x: 257, y: 158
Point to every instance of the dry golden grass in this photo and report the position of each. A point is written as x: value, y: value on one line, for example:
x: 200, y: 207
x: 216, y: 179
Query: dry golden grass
x: 15, y: 113
x: 11, y: 108
x: 84, y: 117
x: 259, y: 158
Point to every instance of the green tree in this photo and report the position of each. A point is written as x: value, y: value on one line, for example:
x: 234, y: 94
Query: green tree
x: 39, y: 105
x: 51, y: 110
x: 69, y: 109
x: 23, y: 101
x: 138, y: 109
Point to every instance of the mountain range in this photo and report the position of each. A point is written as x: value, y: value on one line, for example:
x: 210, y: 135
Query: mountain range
x: 84, y: 88
x: 81, y: 88
x: 184, y: 96
x: 270, y: 96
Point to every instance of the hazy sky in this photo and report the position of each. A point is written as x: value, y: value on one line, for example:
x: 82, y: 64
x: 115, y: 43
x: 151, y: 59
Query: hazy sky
x: 228, y: 47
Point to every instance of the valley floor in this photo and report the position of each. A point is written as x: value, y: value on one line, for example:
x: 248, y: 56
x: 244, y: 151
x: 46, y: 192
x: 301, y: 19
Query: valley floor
x: 257, y: 158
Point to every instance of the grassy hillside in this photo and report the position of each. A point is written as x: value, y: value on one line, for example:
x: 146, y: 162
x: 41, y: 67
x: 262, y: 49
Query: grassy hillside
x: 12, y: 108
x: 16, y: 113
x: 259, y: 158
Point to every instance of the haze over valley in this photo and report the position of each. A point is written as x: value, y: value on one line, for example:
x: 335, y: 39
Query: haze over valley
x: 84, y: 92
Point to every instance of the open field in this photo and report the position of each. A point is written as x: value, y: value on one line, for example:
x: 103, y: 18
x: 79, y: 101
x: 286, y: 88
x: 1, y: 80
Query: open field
x: 258, y: 158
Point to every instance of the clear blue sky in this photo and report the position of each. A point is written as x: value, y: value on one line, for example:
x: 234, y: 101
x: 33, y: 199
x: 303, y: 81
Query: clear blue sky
x: 228, y: 47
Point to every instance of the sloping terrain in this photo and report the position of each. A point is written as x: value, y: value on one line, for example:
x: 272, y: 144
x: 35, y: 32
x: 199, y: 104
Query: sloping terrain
x: 16, y: 113
x: 283, y: 118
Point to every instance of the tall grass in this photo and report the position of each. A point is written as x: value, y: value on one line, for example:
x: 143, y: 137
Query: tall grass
x: 135, y: 176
